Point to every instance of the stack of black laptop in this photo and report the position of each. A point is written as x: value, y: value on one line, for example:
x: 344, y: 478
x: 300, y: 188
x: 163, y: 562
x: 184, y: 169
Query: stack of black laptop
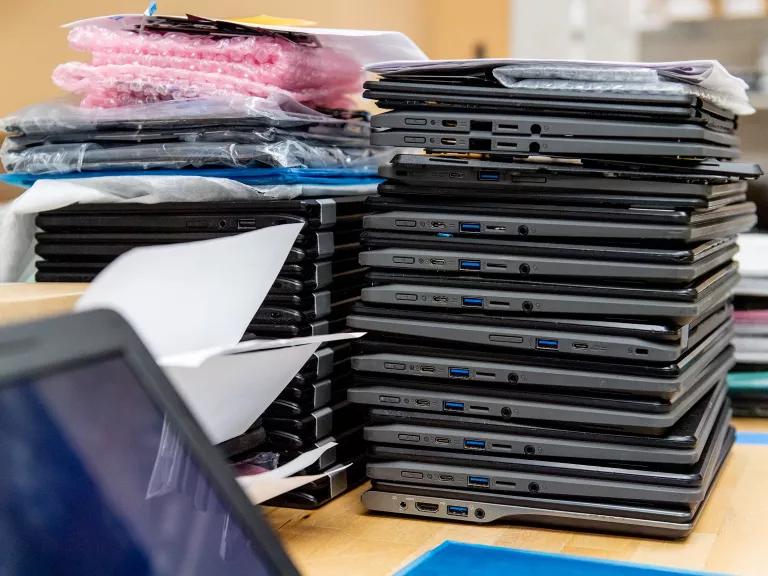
x: 312, y: 295
x: 549, y: 338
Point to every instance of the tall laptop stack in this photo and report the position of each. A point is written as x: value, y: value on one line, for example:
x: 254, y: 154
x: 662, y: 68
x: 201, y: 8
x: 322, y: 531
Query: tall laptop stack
x: 313, y: 294
x: 548, y: 337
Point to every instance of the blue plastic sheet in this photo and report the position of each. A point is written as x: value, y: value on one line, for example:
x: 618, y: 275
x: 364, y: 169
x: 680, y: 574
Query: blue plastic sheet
x: 457, y: 559
x: 254, y: 176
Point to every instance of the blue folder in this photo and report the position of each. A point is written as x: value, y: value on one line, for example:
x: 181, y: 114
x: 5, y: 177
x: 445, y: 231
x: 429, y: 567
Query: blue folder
x: 457, y: 559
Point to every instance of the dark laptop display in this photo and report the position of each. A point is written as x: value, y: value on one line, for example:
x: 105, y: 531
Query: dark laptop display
x: 99, y: 478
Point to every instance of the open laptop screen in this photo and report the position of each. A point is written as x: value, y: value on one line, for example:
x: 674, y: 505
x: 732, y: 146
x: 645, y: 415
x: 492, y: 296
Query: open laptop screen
x: 94, y: 481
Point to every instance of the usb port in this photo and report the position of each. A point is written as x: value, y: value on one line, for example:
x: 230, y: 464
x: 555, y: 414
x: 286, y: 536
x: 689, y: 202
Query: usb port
x: 580, y: 345
x: 450, y: 123
x: 246, y: 223
x: 446, y: 477
x: 443, y: 440
x: 472, y: 301
x: 480, y: 481
x: 437, y: 261
x: 448, y: 141
x: 469, y: 226
x: 474, y: 444
x: 427, y: 368
x: 426, y: 507
x: 453, y: 406
x: 469, y: 264
x: 437, y: 224
x: 423, y: 402
x: 547, y: 344
x: 488, y: 176
x: 458, y: 372
x: 457, y: 510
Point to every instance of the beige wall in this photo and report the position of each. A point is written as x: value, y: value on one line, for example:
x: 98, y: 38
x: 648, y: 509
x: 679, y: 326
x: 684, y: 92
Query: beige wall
x: 32, y: 43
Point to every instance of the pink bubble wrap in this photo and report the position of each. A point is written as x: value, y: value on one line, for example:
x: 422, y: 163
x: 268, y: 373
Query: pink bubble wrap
x: 130, y: 68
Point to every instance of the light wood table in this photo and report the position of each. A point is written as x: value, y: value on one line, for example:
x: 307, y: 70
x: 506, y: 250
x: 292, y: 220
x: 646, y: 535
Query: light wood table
x: 342, y: 538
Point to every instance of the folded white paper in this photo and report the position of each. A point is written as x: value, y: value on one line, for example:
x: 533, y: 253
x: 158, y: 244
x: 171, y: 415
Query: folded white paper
x: 190, y: 303
x: 227, y: 393
x: 186, y: 297
x: 197, y: 358
x: 262, y: 487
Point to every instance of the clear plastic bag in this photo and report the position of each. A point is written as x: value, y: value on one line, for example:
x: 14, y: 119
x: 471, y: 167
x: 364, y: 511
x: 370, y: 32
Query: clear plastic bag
x: 279, y: 152
x: 515, y: 72
x: 613, y: 79
x: 43, y: 120
x: 129, y: 68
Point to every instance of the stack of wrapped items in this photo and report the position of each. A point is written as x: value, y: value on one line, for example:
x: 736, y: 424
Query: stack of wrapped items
x: 549, y: 317
x: 748, y: 381
x: 194, y: 129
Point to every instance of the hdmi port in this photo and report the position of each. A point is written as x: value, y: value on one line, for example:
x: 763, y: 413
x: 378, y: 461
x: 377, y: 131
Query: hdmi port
x: 426, y: 507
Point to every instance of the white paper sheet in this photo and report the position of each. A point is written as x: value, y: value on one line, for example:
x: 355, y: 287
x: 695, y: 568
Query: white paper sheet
x: 186, y: 297
x: 192, y: 359
x: 227, y: 393
x: 261, y: 487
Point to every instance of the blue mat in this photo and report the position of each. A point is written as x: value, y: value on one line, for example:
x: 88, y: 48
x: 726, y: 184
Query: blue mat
x: 457, y: 559
x: 755, y: 438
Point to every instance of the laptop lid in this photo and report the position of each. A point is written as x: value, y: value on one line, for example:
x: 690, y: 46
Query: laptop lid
x: 106, y: 471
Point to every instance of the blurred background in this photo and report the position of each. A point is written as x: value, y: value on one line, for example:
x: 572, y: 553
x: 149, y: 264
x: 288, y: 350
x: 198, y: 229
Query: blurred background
x: 733, y: 31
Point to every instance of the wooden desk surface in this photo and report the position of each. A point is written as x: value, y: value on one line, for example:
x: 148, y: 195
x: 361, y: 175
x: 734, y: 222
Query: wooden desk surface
x: 730, y: 537
x: 341, y: 538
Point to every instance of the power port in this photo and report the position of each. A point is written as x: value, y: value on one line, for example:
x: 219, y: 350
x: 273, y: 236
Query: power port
x: 506, y: 412
x: 513, y: 378
x: 403, y: 505
x: 479, y: 513
x: 523, y: 230
x: 529, y: 450
x: 534, y: 488
x: 527, y: 306
x: 525, y: 269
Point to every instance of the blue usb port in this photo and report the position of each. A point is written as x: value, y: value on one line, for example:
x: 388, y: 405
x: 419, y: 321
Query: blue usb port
x: 488, y: 176
x: 469, y: 226
x: 479, y: 481
x: 469, y: 264
x: 453, y: 406
x: 458, y: 372
x: 474, y: 444
x: 472, y: 301
x: 457, y: 510
x: 547, y: 344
